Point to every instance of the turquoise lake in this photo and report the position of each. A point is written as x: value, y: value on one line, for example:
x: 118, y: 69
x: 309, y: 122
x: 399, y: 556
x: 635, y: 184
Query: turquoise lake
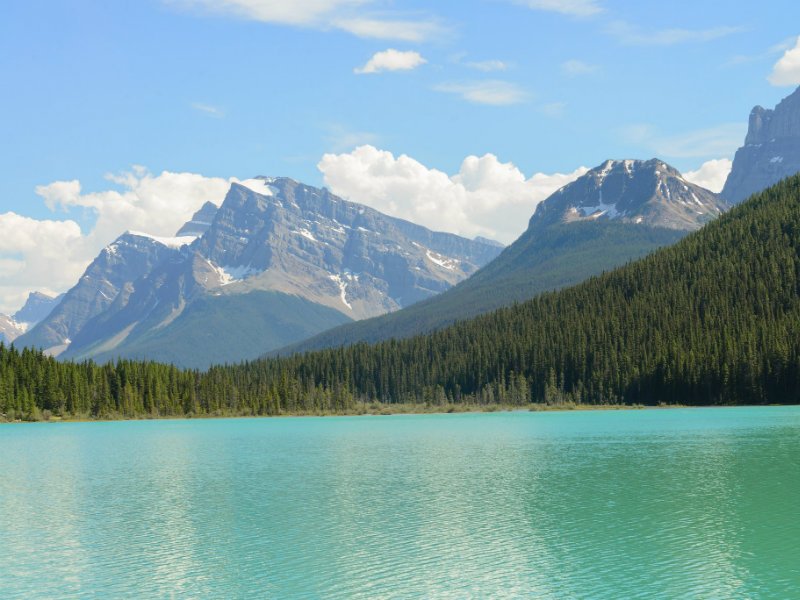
x: 678, y: 503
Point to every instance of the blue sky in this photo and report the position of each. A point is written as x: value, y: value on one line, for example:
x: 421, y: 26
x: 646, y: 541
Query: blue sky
x: 238, y: 88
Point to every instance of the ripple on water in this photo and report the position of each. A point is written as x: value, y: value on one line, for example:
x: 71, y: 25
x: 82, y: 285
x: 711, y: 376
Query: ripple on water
x: 634, y: 504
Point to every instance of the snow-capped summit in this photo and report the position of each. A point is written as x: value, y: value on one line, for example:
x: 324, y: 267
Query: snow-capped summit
x: 633, y: 191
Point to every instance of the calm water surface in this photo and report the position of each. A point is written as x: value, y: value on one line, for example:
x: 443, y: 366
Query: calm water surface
x: 696, y: 503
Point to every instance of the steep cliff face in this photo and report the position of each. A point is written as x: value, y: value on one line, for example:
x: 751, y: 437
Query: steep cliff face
x: 771, y: 150
x: 631, y: 191
x: 281, y: 235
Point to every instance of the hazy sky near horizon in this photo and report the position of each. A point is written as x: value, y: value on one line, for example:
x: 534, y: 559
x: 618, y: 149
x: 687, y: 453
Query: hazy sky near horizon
x: 121, y: 114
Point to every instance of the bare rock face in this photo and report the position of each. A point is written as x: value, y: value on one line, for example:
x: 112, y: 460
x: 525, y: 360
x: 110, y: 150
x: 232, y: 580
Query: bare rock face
x: 771, y: 150
x: 286, y: 236
x: 631, y: 191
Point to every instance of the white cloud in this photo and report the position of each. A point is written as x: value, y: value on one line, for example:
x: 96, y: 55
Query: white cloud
x: 633, y: 35
x: 211, y: 111
x: 347, y: 15
x: 577, y: 8
x: 711, y: 174
x: 787, y: 70
x: 486, y: 197
x: 578, y: 67
x: 721, y: 140
x: 487, y: 65
x: 404, y: 31
x: 392, y: 60
x: 493, y: 92
x: 779, y: 48
x: 51, y: 254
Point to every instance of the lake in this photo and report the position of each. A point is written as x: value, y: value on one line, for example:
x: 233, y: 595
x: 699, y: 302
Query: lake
x: 677, y: 503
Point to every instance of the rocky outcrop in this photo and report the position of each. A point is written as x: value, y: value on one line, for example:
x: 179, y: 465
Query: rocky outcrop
x: 771, y: 150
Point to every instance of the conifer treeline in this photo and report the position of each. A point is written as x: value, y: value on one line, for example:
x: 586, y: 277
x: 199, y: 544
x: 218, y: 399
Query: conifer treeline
x: 714, y: 319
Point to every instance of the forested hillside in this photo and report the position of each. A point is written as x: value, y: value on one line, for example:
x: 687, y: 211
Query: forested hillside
x: 543, y: 260
x: 714, y: 319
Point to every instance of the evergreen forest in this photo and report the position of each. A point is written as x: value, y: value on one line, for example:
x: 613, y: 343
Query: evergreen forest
x: 713, y: 319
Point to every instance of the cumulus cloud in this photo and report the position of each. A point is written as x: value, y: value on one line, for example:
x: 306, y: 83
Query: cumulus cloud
x: 52, y: 254
x: 347, y: 15
x: 787, y: 70
x: 492, y: 92
x: 711, y: 174
x: 392, y: 60
x: 486, y: 197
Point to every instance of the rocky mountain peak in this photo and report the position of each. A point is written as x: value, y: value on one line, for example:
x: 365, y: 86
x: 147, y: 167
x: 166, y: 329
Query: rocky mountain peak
x: 36, y: 307
x: 280, y: 234
x: 200, y: 221
x: 636, y: 191
x: 771, y: 150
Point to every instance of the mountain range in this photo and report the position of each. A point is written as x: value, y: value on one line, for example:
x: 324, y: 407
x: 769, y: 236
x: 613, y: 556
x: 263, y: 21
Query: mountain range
x: 283, y: 267
x: 277, y: 262
x: 711, y: 320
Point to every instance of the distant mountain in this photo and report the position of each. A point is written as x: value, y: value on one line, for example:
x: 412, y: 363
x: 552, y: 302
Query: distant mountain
x: 129, y: 257
x: 10, y: 329
x: 37, y: 307
x: 632, y: 191
x: 771, y: 150
x: 277, y: 262
x: 618, y: 211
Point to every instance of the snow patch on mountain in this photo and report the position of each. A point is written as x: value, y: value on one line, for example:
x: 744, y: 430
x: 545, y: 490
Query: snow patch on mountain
x: 337, y: 279
x: 228, y: 275
x: 451, y: 264
x: 260, y: 186
x: 169, y: 242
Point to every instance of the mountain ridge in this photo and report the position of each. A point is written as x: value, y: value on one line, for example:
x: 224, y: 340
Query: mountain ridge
x: 322, y: 260
x: 569, y: 238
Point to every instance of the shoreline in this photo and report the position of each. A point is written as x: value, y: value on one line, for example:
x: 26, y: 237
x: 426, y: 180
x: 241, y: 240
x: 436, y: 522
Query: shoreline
x: 374, y: 410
